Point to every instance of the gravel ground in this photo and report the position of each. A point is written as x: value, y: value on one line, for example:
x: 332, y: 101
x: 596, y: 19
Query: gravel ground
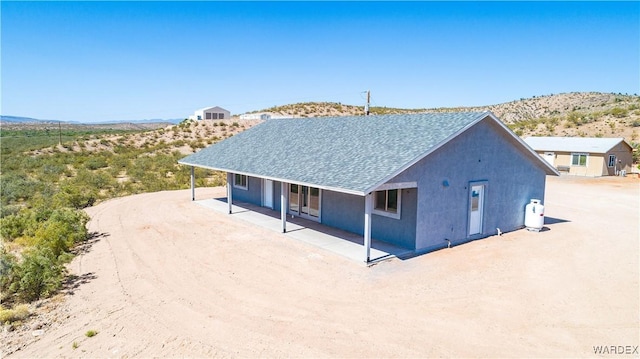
x: 165, y: 277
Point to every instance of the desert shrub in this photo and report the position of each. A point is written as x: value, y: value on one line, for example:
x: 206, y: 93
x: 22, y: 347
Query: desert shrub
x: 95, y: 163
x: 14, y: 226
x: 40, y: 275
x: 10, y: 209
x: 74, y: 196
x: 62, y: 231
x: 18, y: 313
x: 636, y: 123
x: 618, y: 112
x: 16, y: 187
x: 8, y: 273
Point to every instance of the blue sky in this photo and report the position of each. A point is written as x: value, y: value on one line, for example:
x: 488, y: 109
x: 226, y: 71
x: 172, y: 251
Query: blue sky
x: 102, y: 61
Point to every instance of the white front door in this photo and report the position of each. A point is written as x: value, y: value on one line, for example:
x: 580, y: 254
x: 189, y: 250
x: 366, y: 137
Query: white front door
x: 267, y: 197
x: 550, y: 157
x: 476, y: 209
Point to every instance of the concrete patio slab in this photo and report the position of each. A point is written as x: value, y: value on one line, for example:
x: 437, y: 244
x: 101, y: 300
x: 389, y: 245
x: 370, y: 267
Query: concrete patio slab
x: 344, y: 243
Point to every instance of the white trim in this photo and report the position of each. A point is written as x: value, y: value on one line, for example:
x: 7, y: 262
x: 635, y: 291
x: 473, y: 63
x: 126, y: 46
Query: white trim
x: 481, y: 208
x: 266, y: 193
x: 368, y: 199
x: 384, y: 213
x: 586, y: 160
x: 609, y: 161
x: 239, y: 186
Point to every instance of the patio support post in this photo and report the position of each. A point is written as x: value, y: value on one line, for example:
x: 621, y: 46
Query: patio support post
x: 367, y: 226
x: 229, y: 191
x: 193, y: 184
x: 283, y: 206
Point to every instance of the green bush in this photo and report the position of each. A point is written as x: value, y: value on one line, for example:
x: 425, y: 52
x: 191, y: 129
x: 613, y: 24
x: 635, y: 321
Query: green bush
x: 618, y: 112
x: 16, y: 187
x: 95, y: 163
x: 40, y: 275
x: 13, y: 226
x: 75, y: 196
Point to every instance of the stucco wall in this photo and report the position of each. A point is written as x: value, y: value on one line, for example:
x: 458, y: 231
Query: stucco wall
x: 253, y: 193
x: 346, y: 212
x: 623, y: 153
x: 596, y: 164
x: 479, y: 154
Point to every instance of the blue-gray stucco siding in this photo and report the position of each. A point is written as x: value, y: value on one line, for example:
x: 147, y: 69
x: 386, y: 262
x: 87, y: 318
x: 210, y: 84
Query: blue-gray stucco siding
x: 482, y: 154
x: 346, y: 211
x: 253, y: 193
x: 438, y: 209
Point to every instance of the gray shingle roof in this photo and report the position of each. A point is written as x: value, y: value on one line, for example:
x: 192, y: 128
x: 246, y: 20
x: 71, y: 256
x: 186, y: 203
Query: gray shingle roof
x: 573, y: 144
x: 349, y: 154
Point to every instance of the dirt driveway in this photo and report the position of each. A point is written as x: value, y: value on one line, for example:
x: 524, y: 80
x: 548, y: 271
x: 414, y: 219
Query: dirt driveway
x: 170, y: 278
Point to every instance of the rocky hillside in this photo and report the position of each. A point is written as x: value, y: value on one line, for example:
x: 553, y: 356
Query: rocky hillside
x: 592, y: 114
x: 572, y: 114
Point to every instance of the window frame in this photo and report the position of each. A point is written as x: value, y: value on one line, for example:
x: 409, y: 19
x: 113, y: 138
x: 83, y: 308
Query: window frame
x: 237, y: 176
x: 612, y: 161
x: 578, y: 155
x: 385, y: 212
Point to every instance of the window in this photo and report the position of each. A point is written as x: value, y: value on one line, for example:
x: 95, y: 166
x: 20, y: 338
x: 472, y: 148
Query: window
x: 612, y: 160
x: 387, y: 203
x: 579, y: 159
x: 240, y: 181
x: 215, y: 115
x: 221, y: 116
x: 208, y: 116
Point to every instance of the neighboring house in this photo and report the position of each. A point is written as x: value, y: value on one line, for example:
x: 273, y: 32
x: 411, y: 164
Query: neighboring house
x: 210, y: 113
x: 262, y: 116
x: 255, y: 116
x: 584, y: 156
x: 418, y: 181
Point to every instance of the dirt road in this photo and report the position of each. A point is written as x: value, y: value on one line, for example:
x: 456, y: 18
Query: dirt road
x: 167, y: 277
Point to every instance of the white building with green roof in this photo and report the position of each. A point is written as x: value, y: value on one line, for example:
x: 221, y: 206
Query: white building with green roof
x: 419, y: 181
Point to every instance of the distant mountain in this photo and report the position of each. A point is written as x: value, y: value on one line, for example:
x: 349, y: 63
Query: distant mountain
x: 29, y: 120
x: 593, y: 114
x: 18, y: 119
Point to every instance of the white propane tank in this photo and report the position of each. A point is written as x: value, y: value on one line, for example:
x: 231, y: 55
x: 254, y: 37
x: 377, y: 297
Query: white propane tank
x: 534, y: 215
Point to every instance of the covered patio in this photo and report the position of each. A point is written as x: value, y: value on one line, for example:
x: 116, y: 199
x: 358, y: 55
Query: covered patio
x: 346, y: 244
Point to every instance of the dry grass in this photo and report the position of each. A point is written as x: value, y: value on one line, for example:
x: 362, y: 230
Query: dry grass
x: 18, y: 313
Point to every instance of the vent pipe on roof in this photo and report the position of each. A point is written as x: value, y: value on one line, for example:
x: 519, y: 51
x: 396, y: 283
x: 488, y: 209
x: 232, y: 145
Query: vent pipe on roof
x: 366, y: 107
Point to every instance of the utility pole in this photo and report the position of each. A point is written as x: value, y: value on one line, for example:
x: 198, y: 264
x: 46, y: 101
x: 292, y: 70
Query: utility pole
x: 366, y: 107
x: 59, y: 133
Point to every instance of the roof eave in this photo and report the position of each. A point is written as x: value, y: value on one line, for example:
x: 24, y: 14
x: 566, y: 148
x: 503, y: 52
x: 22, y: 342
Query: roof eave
x: 278, y: 179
